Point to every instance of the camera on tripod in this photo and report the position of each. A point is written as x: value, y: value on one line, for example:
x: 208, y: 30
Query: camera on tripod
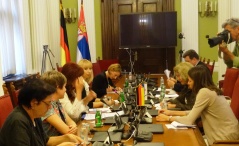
x: 222, y: 36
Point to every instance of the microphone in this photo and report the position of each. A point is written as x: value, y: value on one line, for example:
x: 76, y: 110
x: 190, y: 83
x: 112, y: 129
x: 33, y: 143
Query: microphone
x: 102, y: 100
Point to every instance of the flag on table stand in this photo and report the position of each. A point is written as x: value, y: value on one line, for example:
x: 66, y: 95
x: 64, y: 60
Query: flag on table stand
x: 65, y: 53
x: 83, y: 51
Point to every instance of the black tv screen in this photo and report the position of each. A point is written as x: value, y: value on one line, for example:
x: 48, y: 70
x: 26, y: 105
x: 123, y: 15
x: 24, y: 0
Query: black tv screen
x: 148, y: 30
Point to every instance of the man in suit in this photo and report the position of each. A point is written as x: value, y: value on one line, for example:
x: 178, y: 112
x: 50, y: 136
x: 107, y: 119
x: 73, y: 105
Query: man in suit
x: 192, y: 57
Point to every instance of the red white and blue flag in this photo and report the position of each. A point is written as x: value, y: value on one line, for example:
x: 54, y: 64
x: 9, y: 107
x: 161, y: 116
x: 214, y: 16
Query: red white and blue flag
x: 83, y: 51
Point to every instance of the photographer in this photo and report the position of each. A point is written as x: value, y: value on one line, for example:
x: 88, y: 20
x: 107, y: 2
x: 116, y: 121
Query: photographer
x: 231, y: 59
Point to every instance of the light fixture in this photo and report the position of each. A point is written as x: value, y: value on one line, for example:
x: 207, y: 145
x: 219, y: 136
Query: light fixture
x: 210, y: 9
x: 70, y: 15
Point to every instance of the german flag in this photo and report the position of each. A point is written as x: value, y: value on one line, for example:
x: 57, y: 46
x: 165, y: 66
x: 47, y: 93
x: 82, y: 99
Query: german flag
x: 65, y: 53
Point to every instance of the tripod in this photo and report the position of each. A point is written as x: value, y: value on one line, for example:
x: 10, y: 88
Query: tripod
x: 45, y: 52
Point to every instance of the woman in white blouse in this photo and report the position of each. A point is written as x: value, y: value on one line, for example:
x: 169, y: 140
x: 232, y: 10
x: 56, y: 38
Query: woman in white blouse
x: 76, y: 99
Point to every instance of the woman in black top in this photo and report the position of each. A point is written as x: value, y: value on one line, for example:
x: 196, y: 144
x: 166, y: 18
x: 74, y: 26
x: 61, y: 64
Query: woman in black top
x: 102, y: 83
x: 23, y: 127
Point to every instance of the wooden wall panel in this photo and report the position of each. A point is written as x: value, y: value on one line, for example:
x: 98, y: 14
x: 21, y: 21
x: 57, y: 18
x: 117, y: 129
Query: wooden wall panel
x: 151, y: 60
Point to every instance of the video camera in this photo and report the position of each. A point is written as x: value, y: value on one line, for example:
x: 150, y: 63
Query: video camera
x: 222, y: 36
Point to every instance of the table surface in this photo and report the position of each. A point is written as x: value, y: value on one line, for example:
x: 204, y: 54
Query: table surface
x: 170, y: 137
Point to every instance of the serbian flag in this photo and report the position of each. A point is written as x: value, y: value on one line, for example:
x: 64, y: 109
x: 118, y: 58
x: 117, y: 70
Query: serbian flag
x: 83, y: 51
x: 65, y: 53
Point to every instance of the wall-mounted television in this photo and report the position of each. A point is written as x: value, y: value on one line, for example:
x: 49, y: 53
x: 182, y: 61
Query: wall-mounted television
x: 148, y: 30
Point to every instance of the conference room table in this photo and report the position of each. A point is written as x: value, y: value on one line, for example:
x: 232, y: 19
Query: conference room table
x: 170, y: 137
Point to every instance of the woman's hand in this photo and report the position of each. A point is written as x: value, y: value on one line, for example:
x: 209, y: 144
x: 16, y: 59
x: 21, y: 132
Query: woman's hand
x: 73, y: 129
x: 171, y: 82
x: 165, y: 112
x: 75, y: 139
x: 162, y: 117
x: 92, y: 95
x: 110, y: 89
x: 171, y: 105
x: 79, y: 84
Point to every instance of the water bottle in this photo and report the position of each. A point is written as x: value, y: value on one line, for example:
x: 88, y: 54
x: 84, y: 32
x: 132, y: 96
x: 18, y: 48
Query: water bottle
x: 163, y: 88
x: 122, y: 97
x: 165, y: 104
x: 130, y: 76
x: 161, y: 81
x: 126, y: 83
x: 130, y: 89
x: 162, y: 95
x: 84, y: 131
x: 98, y: 120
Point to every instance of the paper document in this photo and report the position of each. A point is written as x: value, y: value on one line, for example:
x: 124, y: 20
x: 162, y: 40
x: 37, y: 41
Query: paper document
x: 177, y: 124
x: 167, y: 95
x: 103, y: 110
x: 169, y: 126
x: 103, y: 115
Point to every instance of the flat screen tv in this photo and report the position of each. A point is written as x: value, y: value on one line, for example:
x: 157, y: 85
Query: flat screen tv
x: 148, y: 30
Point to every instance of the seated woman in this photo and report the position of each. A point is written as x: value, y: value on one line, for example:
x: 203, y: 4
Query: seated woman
x: 75, y: 100
x: 23, y: 127
x: 88, y: 77
x: 56, y: 121
x: 186, y: 98
x: 218, y: 120
x: 102, y: 83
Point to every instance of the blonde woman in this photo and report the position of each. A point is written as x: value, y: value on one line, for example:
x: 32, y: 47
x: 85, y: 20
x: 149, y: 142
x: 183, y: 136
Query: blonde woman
x: 86, y: 65
x: 102, y: 83
x: 186, y: 98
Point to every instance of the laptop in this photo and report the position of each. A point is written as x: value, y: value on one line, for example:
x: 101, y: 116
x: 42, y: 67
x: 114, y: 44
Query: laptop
x: 111, y: 120
x: 101, y: 136
x: 153, y: 113
x: 150, y: 144
x: 154, y: 128
x: 155, y: 100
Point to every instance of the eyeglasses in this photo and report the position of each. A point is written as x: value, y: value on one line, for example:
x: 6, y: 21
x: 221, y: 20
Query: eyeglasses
x: 47, y: 104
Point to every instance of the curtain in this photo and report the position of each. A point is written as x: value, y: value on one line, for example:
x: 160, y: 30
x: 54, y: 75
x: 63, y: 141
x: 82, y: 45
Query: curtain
x: 25, y: 27
x: 11, y: 37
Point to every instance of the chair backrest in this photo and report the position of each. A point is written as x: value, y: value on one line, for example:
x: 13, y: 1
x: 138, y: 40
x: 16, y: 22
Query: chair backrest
x: 230, y: 78
x: 210, y: 66
x: 5, y: 108
x: 104, y: 64
x: 14, y: 94
x: 235, y: 99
x: 58, y: 67
x: 5, y: 90
x: 96, y: 68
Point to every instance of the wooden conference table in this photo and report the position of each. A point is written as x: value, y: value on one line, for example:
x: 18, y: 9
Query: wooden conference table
x: 170, y: 137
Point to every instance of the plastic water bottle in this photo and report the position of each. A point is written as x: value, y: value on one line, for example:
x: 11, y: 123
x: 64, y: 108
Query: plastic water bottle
x: 130, y: 76
x: 162, y: 95
x: 122, y: 97
x: 126, y: 83
x: 130, y: 89
x: 165, y: 104
x: 161, y: 81
x: 98, y: 120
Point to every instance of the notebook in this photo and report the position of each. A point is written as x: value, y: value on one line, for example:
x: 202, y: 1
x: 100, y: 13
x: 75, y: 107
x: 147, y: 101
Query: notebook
x: 150, y: 144
x: 101, y: 136
x: 111, y: 120
x: 154, y: 128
